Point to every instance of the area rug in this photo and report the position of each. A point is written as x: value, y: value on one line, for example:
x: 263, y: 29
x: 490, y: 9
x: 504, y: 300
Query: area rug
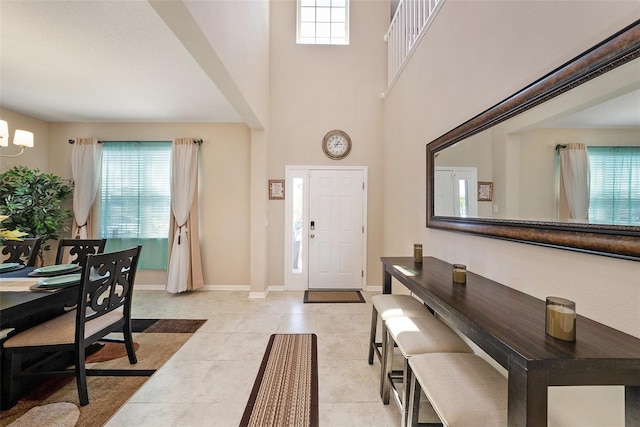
x: 156, y: 341
x: 285, y: 393
x: 332, y: 296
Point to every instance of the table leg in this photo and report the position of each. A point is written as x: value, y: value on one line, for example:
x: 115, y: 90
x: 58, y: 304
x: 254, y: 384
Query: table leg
x: 386, y: 280
x: 527, y: 397
x: 632, y: 406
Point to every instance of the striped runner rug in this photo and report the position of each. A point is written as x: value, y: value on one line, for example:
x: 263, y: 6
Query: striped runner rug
x: 285, y: 393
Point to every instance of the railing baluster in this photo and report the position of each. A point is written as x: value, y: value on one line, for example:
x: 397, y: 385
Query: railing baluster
x: 408, y: 23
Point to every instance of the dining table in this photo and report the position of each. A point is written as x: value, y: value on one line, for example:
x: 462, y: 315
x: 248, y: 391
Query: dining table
x: 24, y: 304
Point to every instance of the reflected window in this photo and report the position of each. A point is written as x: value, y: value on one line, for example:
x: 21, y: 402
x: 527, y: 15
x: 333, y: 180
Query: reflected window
x: 463, y: 192
x: 614, y: 185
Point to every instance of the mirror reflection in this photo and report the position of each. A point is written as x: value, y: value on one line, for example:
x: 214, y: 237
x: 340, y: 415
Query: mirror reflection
x: 574, y: 158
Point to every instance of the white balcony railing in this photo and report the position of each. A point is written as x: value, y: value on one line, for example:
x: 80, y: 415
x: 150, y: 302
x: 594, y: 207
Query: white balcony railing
x: 411, y: 19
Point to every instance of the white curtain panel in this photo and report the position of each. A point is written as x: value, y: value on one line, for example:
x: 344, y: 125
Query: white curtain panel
x: 86, y: 169
x: 184, y: 167
x: 574, y: 163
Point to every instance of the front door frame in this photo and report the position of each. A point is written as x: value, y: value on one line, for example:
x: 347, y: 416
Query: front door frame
x: 300, y: 280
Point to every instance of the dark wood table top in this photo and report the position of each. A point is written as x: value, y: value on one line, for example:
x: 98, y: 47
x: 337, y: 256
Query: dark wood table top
x: 23, y: 309
x: 509, y: 324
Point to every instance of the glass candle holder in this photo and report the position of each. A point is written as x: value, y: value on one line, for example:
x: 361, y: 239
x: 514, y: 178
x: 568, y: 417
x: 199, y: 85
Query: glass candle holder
x: 560, y: 321
x: 417, y: 253
x: 459, y: 273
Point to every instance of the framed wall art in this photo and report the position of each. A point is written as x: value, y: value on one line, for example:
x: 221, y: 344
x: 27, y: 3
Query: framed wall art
x: 276, y: 189
x: 485, y: 191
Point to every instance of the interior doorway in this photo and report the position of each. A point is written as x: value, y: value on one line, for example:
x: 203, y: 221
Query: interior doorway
x: 325, y: 227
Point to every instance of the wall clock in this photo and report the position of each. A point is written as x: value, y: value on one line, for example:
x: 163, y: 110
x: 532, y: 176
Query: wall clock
x: 336, y: 144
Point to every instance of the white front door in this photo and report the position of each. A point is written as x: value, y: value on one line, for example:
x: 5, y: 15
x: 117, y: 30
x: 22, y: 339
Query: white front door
x: 336, y: 229
x: 455, y: 191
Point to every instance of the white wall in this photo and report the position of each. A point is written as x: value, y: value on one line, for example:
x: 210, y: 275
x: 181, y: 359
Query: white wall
x: 475, y: 54
x: 239, y: 33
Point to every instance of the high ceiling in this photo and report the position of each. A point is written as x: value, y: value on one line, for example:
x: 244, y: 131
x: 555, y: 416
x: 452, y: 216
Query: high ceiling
x: 101, y: 61
x: 119, y: 61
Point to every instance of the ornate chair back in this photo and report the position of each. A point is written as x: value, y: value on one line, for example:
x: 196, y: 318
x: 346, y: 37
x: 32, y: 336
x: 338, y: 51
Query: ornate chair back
x: 23, y: 251
x: 106, y: 285
x: 75, y: 251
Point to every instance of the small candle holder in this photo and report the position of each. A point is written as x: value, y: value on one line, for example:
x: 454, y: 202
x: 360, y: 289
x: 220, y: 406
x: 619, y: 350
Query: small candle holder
x: 459, y: 273
x: 417, y: 253
x: 560, y: 321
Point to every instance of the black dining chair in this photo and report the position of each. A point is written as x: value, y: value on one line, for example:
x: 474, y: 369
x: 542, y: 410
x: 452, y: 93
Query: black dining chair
x: 24, y: 252
x: 103, y: 306
x: 75, y: 251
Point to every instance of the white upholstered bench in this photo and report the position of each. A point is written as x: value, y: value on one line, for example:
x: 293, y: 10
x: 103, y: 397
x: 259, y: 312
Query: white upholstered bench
x: 414, y: 336
x: 463, y: 389
x: 389, y: 305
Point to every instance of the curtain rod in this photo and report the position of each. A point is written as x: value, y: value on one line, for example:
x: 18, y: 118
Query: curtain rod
x: 196, y: 141
x: 559, y: 146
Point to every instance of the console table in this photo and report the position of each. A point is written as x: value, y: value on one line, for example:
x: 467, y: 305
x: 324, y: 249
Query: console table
x: 509, y: 326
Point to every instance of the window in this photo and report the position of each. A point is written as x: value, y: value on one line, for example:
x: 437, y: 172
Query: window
x: 135, y: 200
x: 323, y: 22
x: 614, y: 185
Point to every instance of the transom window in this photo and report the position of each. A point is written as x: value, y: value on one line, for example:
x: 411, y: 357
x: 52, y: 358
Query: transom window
x: 323, y: 22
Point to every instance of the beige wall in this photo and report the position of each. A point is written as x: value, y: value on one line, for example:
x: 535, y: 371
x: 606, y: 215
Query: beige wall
x: 315, y: 89
x: 224, y: 183
x: 474, y: 55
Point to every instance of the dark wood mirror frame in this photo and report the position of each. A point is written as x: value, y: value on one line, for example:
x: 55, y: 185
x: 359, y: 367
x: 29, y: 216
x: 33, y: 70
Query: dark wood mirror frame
x: 610, y: 240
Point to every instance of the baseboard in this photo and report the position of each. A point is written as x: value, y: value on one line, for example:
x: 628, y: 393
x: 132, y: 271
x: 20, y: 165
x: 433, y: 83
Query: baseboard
x: 262, y: 295
x: 204, y: 288
x: 139, y: 287
x: 242, y: 288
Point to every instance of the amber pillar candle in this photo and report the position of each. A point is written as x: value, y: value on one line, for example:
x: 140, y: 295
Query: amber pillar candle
x: 459, y: 273
x: 561, y: 318
x: 417, y: 253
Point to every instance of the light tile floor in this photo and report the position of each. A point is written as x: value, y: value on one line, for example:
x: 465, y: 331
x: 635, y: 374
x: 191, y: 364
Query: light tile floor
x: 208, y: 381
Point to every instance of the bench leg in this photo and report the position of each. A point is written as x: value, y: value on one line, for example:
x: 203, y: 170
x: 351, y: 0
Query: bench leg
x: 387, y: 365
x: 406, y: 384
x: 413, y: 403
x: 372, y: 339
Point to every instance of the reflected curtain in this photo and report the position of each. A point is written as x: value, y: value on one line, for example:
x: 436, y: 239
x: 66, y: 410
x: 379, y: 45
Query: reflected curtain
x: 185, y: 265
x: 86, y: 169
x: 574, y: 166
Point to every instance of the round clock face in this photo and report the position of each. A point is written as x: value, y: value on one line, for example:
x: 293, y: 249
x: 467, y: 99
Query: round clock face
x: 336, y: 144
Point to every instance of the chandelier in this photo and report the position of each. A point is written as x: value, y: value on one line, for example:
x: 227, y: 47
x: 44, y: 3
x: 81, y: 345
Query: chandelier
x: 21, y: 138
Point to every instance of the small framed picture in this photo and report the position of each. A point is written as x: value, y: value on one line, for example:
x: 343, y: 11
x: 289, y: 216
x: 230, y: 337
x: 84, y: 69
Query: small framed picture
x: 485, y: 191
x: 276, y: 189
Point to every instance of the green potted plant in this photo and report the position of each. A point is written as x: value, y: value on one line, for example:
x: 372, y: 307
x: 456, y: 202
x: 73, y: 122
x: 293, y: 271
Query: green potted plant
x: 33, y: 202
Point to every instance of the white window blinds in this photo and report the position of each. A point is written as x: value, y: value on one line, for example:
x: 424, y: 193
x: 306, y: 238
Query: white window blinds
x: 615, y: 185
x: 136, y: 199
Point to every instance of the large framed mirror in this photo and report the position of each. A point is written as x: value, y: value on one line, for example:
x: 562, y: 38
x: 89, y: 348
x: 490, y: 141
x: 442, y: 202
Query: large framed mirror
x: 500, y: 174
